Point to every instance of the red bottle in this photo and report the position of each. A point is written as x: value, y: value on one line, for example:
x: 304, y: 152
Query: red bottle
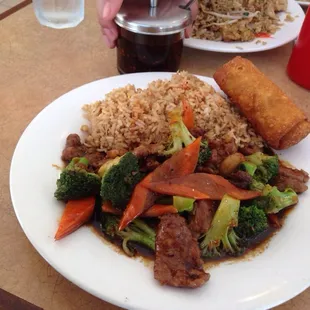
x: 298, y: 67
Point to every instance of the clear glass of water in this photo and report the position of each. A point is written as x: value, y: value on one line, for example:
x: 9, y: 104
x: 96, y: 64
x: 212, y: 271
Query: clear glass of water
x: 59, y: 14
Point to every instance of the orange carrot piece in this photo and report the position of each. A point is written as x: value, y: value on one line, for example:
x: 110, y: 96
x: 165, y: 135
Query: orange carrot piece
x: 108, y: 208
x: 158, y: 210
x: 180, y: 164
x: 201, y: 186
x: 263, y: 35
x: 154, y: 211
x: 76, y: 213
x: 188, y: 115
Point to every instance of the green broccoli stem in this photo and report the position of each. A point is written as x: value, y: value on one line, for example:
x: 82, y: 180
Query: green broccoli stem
x: 144, y: 228
x: 249, y: 167
x: 233, y: 239
x: 277, y: 200
x: 136, y: 237
x: 183, y: 203
x: 78, y: 160
x: 218, y: 236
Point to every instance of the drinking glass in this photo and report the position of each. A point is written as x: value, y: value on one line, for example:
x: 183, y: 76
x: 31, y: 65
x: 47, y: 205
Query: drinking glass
x: 59, y: 13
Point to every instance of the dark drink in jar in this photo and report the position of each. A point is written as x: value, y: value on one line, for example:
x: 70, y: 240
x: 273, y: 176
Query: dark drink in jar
x: 150, y: 39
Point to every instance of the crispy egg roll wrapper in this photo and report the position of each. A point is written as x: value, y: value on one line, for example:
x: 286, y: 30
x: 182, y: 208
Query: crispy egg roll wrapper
x: 270, y: 111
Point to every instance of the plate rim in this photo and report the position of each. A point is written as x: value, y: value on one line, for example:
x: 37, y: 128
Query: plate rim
x: 37, y: 246
x: 304, y: 3
x: 234, y: 50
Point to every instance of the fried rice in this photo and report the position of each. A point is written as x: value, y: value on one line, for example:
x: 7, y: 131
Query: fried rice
x: 129, y: 117
x: 237, y: 20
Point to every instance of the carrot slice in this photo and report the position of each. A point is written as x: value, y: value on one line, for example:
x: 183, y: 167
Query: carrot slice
x: 158, y: 210
x: 201, y: 186
x: 76, y: 213
x: 263, y: 35
x: 188, y: 115
x: 108, y: 208
x: 154, y: 211
x: 182, y: 163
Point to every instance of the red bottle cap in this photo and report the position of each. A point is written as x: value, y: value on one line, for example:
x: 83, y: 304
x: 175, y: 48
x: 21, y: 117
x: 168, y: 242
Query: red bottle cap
x: 298, y: 67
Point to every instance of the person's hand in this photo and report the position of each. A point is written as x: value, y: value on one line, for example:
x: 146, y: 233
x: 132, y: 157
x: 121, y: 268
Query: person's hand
x: 107, y: 10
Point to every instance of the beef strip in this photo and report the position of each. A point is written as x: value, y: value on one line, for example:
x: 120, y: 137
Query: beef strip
x: 73, y: 140
x: 177, y: 262
x: 201, y: 217
x: 95, y: 159
x: 197, y: 132
x: 223, y: 148
x: 219, y: 151
x: 151, y: 163
x: 292, y: 178
x: 240, y: 179
x: 73, y: 148
x: 250, y: 149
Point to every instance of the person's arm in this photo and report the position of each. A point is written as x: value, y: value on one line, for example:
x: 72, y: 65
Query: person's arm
x: 107, y: 10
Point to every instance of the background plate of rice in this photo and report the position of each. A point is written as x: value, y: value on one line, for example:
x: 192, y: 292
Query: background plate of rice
x: 256, y: 283
x: 287, y: 33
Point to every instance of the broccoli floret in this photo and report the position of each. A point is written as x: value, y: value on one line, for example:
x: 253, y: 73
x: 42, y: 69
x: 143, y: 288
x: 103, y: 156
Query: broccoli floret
x: 262, y: 168
x: 249, y: 167
x: 256, y: 185
x: 76, y: 182
x: 277, y: 200
x: 119, y: 178
x: 182, y: 137
x: 221, y: 239
x: 204, y: 153
x: 267, y: 166
x: 251, y: 222
x: 137, y: 231
x: 260, y: 202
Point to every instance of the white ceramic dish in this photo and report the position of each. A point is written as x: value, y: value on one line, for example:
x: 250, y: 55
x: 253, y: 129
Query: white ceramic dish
x: 304, y: 3
x: 288, y: 32
x: 280, y: 273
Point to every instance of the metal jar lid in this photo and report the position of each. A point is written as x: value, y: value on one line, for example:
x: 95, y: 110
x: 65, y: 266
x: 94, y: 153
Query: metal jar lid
x: 154, y: 18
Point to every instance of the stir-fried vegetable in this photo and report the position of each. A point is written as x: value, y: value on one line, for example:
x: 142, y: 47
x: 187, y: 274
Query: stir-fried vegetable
x: 251, y: 222
x: 220, y: 239
x: 277, y: 200
x: 76, y: 182
x: 138, y: 231
x: 182, y: 163
x: 154, y: 211
x: 76, y: 213
x: 188, y: 115
x: 262, y: 168
x: 201, y: 186
x: 183, y: 203
x: 181, y: 136
x: 231, y: 163
x: 119, y: 178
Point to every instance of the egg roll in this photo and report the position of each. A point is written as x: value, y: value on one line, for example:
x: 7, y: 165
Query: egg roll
x: 273, y: 115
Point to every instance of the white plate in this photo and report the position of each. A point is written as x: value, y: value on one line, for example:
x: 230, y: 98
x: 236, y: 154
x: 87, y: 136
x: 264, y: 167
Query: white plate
x: 271, y: 278
x: 288, y: 32
x: 304, y: 3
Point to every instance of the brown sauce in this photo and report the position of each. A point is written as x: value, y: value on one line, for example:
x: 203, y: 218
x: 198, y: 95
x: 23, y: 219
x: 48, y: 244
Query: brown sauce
x: 148, y: 53
x: 255, y: 247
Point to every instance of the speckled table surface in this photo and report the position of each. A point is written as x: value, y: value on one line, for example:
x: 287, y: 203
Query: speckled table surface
x: 37, y: 65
